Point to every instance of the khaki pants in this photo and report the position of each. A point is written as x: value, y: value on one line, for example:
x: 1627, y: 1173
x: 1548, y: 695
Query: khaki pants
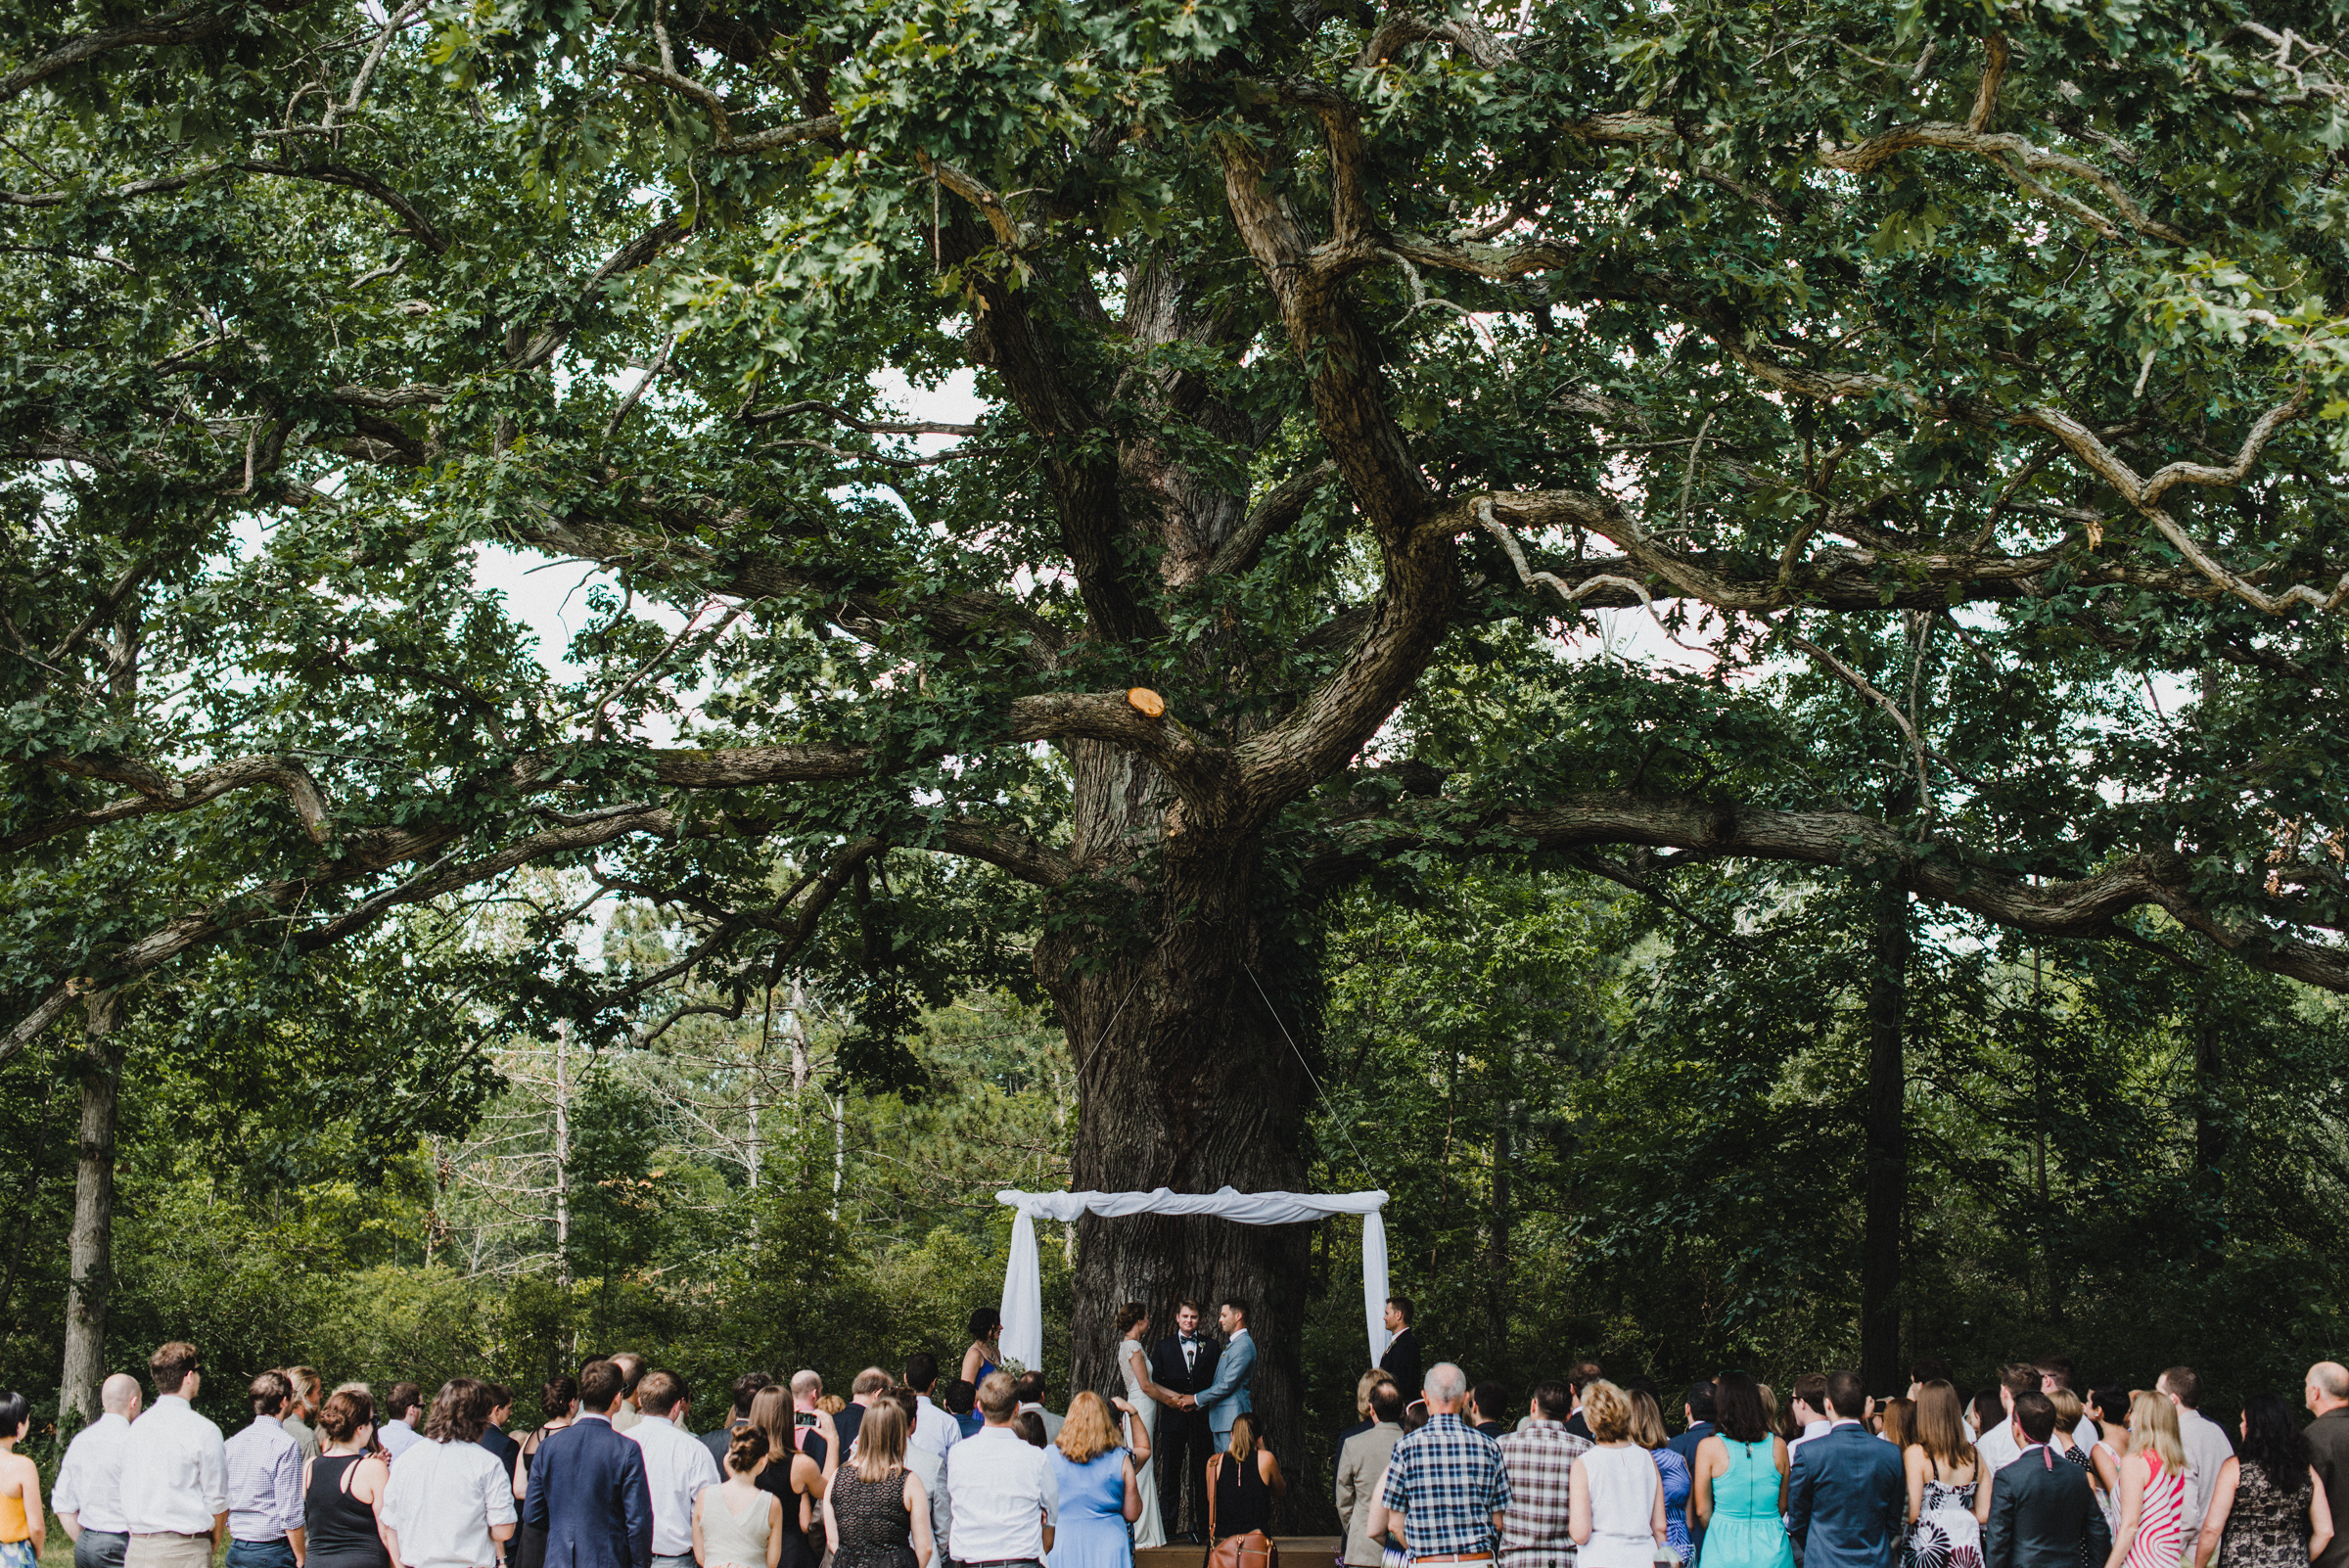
x: 168, y: 1551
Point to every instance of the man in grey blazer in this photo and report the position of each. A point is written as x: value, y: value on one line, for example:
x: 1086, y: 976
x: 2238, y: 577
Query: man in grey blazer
x: 1361, y: 1464
x: 1225, y: 1399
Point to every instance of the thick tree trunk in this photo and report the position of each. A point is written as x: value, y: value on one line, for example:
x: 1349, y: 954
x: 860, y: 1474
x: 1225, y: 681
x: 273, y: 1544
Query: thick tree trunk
x: 92, y: 1245
x: 1188, y: 1080
x: 1886, y: 1145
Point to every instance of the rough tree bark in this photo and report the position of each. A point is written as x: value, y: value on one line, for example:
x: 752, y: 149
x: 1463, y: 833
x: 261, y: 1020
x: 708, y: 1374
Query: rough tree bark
x: 1886, y: 1143
x: 92, y: 1245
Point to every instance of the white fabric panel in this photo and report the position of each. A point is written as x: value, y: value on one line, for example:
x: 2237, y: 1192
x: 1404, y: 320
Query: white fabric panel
x: 1374, y: 1284
x: 1023, y: 1272
x: 1023, y: 1296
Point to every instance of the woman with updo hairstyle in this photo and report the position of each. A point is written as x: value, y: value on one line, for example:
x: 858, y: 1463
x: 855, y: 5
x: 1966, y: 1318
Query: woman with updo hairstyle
x: 1617, y: 1514
x: 560, y: 1398
x: 1140, y: 1418
x: 341, y: 1487
x: 736, y: 1524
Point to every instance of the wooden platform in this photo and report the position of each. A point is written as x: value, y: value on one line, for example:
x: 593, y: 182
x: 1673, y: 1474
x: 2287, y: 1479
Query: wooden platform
x: 1296, y: 1551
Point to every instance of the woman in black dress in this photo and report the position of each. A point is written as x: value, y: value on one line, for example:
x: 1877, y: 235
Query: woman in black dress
x: 561, y: 1401
x: 876, y: 1512
x: 791, y: 1476
x: 2269, y: 1507
x: 341, y: 1487
x: 1242, y: 1481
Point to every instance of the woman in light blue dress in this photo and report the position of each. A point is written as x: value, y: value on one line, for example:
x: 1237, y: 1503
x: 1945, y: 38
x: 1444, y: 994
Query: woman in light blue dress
x: 1100, y: 1493
x: 1740, y: 1484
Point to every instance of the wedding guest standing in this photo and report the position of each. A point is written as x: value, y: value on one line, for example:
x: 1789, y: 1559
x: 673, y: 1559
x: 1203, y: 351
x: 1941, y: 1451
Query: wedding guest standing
x: 2203, y: 1440
x: 560, y: 1398
x: 450, y: 1503
x: 1361, y: 1464
x: 1181, y: 1364
x: 586, y: 1485
x: 1617, y: 1518
x: 1004, y: 1500
x: 174, y: 1470
x: 302, y: 1409
x: 265, y: 1483
x: 719, y: 1440
x: 1647, y: 1431
x: 1739, y: 1495
x: 984, y: 1353
x: 24, y: 1533
x: 1100, y: 1488
x: 929, y: 1466
x: 494, y: 1433
x: 1537, y: 1462
x: 88, y: 1494
x: 1242, y: 1484
x: 876, y: 1513
x: 1142, y: 1400
x: 792, y: 1478
x: 2326, y: 1393
x: 341, y: 1486
x: 1446, y: 1480
x: 2268, y: 1504
x: 736, y: 1524
x: 2043, y: 1512
x: 2151, y: 1533
x: 1944, y: 1480
x: 2110, y: 1409
x: 934, y: 1429
x: 1844, y: 1495
x: 676, y: 1465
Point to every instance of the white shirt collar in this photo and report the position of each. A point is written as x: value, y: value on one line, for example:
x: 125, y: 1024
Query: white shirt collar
x: 591, y: 1415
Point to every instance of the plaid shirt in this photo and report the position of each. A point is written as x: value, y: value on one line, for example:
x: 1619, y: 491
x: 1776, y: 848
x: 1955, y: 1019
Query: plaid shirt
x: 1446, y: 1480
x: 1538, y: 1461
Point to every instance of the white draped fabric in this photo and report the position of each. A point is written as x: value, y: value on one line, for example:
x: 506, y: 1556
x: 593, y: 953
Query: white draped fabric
x: 1022, y: 1274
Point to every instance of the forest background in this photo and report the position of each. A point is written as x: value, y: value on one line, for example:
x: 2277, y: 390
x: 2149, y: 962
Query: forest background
x: 1611, y: 1128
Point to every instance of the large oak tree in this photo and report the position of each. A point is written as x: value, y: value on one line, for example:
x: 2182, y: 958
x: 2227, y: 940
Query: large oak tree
x: 1336, y: 357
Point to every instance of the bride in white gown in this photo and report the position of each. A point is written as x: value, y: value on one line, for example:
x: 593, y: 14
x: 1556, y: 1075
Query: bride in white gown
x: 1133, y: 1322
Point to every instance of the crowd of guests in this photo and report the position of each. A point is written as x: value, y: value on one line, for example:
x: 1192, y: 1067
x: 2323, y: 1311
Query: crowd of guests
x: 2029, y: 1473
x: 614, y: 1476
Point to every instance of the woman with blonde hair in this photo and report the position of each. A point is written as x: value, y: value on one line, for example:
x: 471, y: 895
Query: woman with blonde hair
x: 1616, y: 1515
x: 1672, y: 1472
x: 1241, y: 1483
x: 2151, y: 1532
x: 1100, y: 1485
x: 797, y: 1481
x: 877, y: 1512
x: 1943, y: 1481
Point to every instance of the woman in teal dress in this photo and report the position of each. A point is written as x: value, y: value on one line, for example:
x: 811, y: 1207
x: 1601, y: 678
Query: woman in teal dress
x: 1740, y: 1486
x: 1100, y: 1495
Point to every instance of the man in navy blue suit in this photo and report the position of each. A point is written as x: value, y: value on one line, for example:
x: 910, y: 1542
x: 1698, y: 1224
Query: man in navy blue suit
x: 1847, y: 1496
x: 587, y: 1489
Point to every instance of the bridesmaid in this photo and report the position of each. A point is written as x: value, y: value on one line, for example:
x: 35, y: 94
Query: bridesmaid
x: 1142, y: 1398
x: 984, y: 1354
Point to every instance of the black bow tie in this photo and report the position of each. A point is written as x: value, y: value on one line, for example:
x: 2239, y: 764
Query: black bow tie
x: 1190, y: 1339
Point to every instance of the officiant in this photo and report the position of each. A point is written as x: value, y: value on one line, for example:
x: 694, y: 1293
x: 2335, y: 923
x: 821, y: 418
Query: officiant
x: 1183, y: 1364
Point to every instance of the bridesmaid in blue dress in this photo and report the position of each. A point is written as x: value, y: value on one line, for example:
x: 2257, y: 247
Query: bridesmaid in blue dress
x: 1672, y: 1472
x: 984, y: 1354
x: 1100, y: 1495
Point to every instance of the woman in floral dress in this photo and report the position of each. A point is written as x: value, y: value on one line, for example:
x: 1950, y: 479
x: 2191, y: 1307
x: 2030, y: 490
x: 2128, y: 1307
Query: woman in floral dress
x: 1943, y: 1480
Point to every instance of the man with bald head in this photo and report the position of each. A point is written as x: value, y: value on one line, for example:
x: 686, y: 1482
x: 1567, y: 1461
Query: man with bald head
x: 2326, y: 1393
x: 88, y: 1496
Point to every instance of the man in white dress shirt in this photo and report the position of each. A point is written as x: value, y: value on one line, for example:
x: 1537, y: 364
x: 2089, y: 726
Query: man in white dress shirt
x: 1997, y: 1449
x: 174, y: 1472
x: 88, y: 1496
x: 1005, y: 1501
x: 676, y: 1465
x: 2205, y: 1441
x: 935, y: 1430
x: 402, y: 1406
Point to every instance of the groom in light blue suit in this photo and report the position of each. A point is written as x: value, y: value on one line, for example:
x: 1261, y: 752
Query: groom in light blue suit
x: 1226, y: 1399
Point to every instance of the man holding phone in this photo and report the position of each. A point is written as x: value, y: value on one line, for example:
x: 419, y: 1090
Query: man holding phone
x: 812, y: 1429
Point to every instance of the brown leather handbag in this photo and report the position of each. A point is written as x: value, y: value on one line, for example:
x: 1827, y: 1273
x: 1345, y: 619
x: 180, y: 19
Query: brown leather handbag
x: 1255, y: 1550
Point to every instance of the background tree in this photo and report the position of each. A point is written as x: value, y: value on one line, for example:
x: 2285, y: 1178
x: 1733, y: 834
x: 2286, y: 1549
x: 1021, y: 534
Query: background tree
x: 1328, y: 351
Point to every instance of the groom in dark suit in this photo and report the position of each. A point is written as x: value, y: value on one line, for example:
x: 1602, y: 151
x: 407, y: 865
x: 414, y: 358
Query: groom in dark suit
x: 587, y: 1489
x: 1183, y: 1363
x: 1847, y: 1496
x: 2042, y: 1509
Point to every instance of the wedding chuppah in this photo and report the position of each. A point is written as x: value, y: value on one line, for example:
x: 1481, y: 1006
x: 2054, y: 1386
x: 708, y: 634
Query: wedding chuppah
x: 1023, y: 1316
